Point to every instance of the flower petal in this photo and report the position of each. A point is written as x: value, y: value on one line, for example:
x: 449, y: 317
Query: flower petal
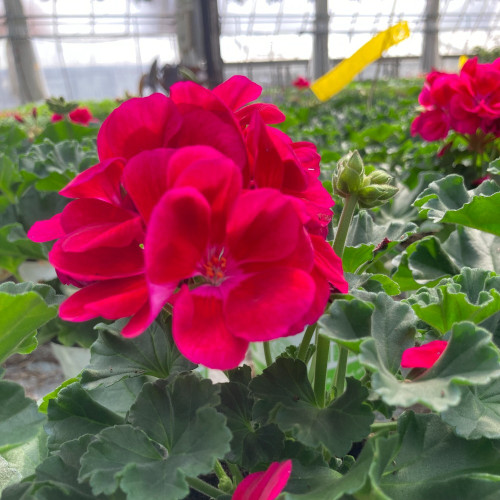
x: 264, y: 226
x: 138, y: 124
x: 212, y: 174
x: 100, y: 263
x: 204, y: 127
x: 110, y: 299
x: 177, y: 235
x: 267, y: 168
x: 158, y: 297
x: 268, y: 112
x: 200, y: 331
x: 145, y: 179
x: 328, y: 264
x: 237, y: 91
x: 265, y: 305
x: 265, y: 485
x: 46, y: 230
x: 102, y: 181
x: 423, y: 356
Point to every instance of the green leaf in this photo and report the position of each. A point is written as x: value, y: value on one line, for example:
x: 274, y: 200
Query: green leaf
x: 176, y: 433
x: 65, y: 130
x: 473, y: 295
x: 53, y: 394
x: 57, y: 477
x: 345, y: 420
x: 366, y: 240
x: 423, y: 262
x: 51, y: 166
x: 115, y: 450
x: 390, y: 323
x: 251, y: 445
x: 20, y: 420
x: 24, y: 307
x: 473, y: 248
x: 426, y: 460
x: 372, y: 283
x: 114, y: 357
x: 74, y: 413
x: 447, y: 200
x: 20, y: 462
x: 434, y: 463
x: 15, y: 248
x: 311, y: 483
x: 9, y: 176
x: 348, y: 322
x: 469, y: 359
x: 478, y: 413
x: 120, y: 396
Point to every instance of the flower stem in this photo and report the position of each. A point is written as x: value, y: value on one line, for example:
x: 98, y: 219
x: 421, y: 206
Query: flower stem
x: 235, y: 472
x: 344, y: 223
x: 322, y: 352
x: 339, y: 379
x: 306, y: 340
x: 267, y: 353
x: 338, y: 247
x: 199, y: 485
x: 383, y: 426
x: 220, y: 472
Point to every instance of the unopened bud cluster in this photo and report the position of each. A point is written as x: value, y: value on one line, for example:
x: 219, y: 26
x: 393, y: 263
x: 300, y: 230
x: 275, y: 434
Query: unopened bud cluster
x: 349, y: 179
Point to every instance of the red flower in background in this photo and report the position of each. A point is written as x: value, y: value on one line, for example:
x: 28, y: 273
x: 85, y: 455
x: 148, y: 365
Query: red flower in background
x: 423, y: 356
x: 301, y: 83
x: 468, y: 103
x: 82, y: 116
x: 265, y: 485
x: 197, y: 202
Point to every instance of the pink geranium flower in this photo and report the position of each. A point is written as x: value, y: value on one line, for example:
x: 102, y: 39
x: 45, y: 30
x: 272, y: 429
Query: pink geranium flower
x: 56, y: 117
x: 423, y: 356
x: 83, y: 116
x: 199, y: 205
x: 467, y: 103
x: 265, y: 485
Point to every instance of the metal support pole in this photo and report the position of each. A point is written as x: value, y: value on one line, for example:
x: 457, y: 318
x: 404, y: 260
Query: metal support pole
x: 211, y: 42
x: 320, y: 54
x: 30, y: 85
x: 430, y: 47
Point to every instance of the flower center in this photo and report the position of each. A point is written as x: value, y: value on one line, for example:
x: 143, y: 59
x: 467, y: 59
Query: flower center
x: 214, y: 269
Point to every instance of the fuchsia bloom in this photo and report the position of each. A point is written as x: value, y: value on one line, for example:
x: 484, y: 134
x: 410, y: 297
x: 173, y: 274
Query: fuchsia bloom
x: 301, y: 83
x: 423, y: 356
x: 265, y: 485
x: 198, y: 203
x: 466, y: 103
x: 83, y: 116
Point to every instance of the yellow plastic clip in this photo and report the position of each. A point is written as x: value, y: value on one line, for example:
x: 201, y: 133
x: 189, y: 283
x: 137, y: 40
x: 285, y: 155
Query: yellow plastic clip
x: 337, y: 78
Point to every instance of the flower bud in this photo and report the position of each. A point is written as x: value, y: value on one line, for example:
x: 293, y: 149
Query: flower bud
x: 376, y: 195
x: 378, y: 177
x: 348, y: 178
x: 226, y: 485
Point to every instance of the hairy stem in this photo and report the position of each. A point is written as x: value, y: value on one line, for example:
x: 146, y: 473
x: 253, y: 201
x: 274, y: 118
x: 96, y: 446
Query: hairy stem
x: 322, y: 352
x: 306, y: 340
x: 338, y: 246
x: 199, y: 485
x: 267, y: 353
